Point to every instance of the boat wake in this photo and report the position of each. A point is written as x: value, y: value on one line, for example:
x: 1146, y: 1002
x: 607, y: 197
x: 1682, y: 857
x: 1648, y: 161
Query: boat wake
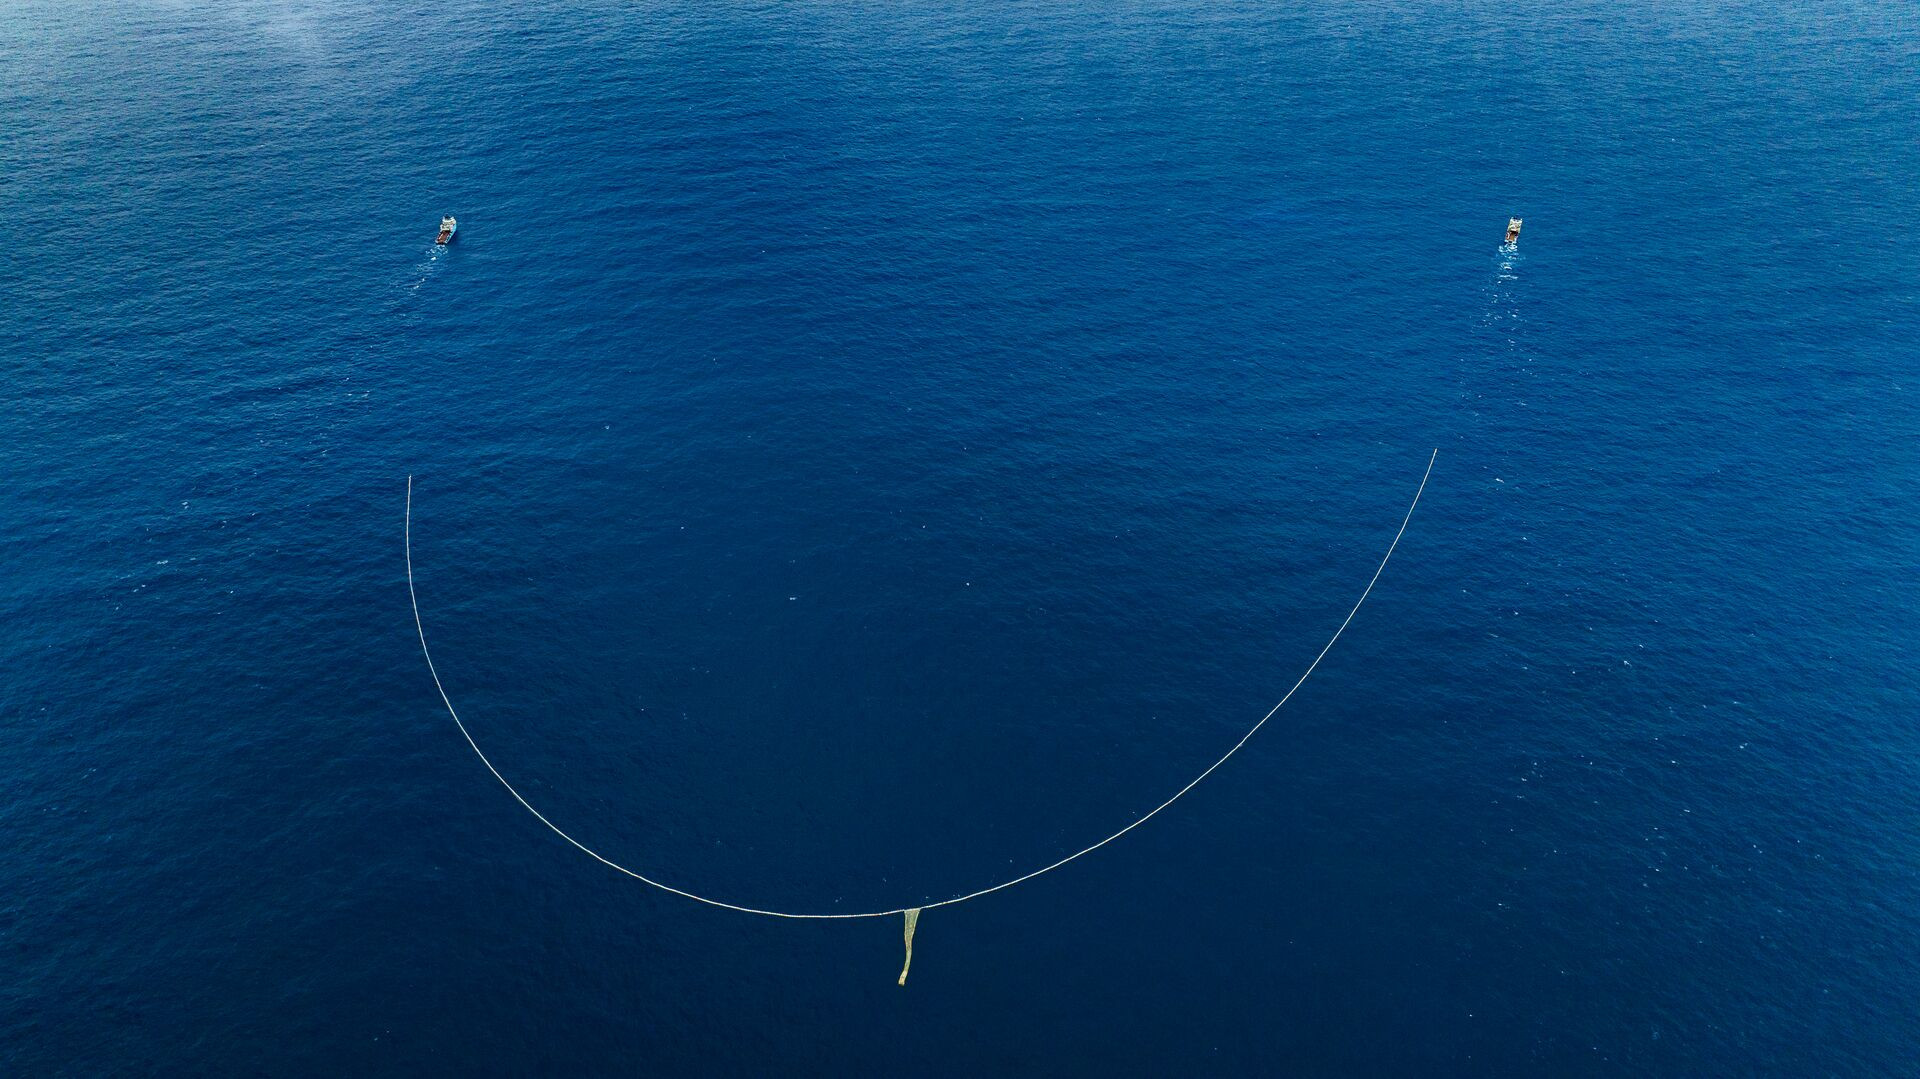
x: 424, y: 271
x: 1502, y: 305
x: 1493, y: 371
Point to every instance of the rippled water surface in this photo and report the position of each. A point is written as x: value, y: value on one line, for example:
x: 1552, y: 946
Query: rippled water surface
x: 864, y: 451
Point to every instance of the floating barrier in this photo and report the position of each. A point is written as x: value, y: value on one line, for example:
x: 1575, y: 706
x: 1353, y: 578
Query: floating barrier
x: 910, y: 913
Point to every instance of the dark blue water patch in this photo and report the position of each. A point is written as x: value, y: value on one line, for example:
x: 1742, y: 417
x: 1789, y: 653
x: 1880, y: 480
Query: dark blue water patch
x: 864, y: 452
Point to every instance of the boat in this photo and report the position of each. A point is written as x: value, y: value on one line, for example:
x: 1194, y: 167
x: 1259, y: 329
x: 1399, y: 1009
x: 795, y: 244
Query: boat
x: 447, y: 225
x: 1513, y: 229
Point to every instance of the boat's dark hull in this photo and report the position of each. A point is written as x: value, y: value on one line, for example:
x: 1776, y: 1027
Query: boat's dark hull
x: 445, y: 237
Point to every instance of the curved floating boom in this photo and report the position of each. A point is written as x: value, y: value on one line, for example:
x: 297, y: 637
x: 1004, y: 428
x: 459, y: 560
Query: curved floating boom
x: 911, y: 911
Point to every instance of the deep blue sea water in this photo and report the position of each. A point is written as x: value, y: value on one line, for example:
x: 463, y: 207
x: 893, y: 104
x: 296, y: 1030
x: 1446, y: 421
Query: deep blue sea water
x: 864, y: 451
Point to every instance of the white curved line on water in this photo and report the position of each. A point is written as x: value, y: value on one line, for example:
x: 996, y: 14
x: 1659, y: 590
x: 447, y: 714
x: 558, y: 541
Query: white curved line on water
x: 929, y: 905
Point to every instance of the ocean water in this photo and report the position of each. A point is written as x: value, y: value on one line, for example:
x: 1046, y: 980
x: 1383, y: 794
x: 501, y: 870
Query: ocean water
x: 864, y: 451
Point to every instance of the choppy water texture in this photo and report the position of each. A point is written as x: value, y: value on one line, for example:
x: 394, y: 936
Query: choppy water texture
x: 865, y: 450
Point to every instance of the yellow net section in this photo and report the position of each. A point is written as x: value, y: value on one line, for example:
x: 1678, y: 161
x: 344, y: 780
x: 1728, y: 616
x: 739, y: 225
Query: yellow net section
x: 913, y: 919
